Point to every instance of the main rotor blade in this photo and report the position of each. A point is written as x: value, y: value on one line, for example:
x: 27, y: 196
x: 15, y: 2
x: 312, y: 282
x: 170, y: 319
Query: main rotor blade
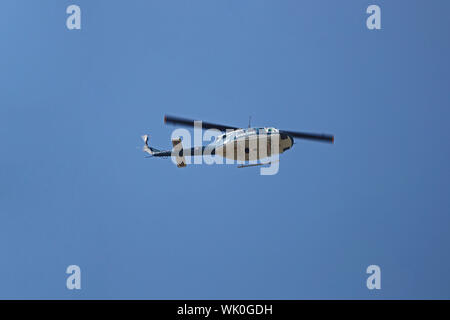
x: 310, y: 136
x: 190, y: 123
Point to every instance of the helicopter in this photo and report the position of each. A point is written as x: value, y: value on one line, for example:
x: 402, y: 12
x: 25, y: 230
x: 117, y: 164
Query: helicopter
x: 234, y: 143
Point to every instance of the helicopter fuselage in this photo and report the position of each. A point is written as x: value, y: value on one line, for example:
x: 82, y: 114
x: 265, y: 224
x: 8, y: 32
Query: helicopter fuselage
x: 241, y: 144
x: 251, y: 144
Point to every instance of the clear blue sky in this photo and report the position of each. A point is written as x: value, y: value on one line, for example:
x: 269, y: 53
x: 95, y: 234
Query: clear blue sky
x: 75, y: 187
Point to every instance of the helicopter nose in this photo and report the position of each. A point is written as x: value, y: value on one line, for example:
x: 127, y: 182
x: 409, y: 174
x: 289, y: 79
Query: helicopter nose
x: 291, y: 141
x: 286, y: 141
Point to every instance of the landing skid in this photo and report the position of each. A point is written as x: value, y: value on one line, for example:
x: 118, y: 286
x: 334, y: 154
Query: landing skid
x: 256, y: 164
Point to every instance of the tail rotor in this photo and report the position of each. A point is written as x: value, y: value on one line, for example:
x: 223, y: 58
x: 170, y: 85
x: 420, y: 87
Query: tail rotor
x: 151, y: 151
x: 146, y: 147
